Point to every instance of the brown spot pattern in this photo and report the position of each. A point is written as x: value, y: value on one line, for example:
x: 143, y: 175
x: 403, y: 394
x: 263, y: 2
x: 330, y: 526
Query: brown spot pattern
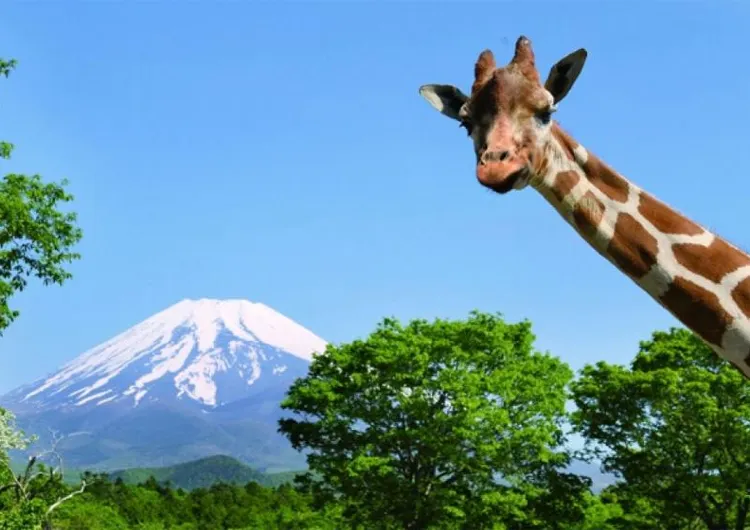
x: 712, y: 262
x: 632, y: 248
x: 741, y: 296
x: 698, y: 309
x: 564, y: 182
x: 588, y: 213
x: 606, y: 179
x: 665, y: 219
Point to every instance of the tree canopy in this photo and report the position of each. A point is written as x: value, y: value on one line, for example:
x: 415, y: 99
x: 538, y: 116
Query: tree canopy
x: 434, y: 423
x: 36, y: 236
x: 674, y: 426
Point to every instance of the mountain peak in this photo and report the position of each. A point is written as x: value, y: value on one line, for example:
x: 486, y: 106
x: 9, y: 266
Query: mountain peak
x: 242, y: 317
x: 205, y: 350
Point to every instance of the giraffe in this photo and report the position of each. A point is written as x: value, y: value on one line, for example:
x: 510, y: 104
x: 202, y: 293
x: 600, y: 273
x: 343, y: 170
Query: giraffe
x: 700, y: 278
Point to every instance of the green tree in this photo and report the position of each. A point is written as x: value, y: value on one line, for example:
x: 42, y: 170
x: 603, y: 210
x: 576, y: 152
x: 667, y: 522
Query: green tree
x: 626, y: 507
x: 84, y: 513
x: 11, y: 437
x: 414, y: 426
x: 29, y: 498
x: 24, y: 516
x: 36, y: 237
x: 602, y: 512
x: 675, y: 428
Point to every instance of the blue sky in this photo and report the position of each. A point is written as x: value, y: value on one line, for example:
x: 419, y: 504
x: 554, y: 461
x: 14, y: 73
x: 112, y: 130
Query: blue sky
x: 280, y: 152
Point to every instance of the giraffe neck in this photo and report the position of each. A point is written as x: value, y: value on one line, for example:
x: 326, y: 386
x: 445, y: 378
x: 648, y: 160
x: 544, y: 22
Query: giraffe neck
x: 700, y: 278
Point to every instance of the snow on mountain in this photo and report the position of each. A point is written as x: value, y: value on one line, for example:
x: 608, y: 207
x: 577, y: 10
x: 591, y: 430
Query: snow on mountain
x: 207, y: 352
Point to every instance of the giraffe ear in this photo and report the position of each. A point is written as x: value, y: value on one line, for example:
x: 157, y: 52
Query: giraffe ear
x: 445, y: 98
x: 564, y: 73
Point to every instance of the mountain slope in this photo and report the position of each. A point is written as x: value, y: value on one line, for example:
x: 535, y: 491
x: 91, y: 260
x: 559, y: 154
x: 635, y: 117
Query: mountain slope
x: 199, y: 378
x: 202, y: 473
x: 205, y: 351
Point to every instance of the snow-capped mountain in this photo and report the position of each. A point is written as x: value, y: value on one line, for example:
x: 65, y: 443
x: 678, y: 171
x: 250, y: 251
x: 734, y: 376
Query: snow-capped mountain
x: 206, y: 352
x: 203, y: 377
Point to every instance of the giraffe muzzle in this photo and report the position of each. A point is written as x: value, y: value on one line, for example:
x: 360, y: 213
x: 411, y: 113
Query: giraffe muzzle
x: 500, y: 171
x: 495, y: 156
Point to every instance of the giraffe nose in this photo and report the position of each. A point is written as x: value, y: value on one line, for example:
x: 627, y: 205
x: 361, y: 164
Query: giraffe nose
x: 495, y: 156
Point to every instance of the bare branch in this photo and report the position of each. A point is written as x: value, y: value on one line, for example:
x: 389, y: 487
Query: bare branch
x: 52, y: 454
x: 17, y: 483
x: 67, y: 497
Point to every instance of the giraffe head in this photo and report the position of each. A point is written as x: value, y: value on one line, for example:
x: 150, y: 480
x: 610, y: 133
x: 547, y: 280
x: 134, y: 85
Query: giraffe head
x: 508, y: 114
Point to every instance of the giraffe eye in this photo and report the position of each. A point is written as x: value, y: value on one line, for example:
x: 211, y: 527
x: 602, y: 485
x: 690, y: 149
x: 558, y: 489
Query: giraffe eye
x: 545, y: 116
x: 466, y: 124
x: 464, y: 118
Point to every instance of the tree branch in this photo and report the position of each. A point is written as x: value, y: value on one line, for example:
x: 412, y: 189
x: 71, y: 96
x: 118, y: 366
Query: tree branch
x: 20, y: 490
x: 67, y: 497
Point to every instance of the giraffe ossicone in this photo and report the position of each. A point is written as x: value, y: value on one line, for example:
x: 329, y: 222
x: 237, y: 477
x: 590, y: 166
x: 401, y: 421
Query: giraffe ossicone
x: 702, y: 279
